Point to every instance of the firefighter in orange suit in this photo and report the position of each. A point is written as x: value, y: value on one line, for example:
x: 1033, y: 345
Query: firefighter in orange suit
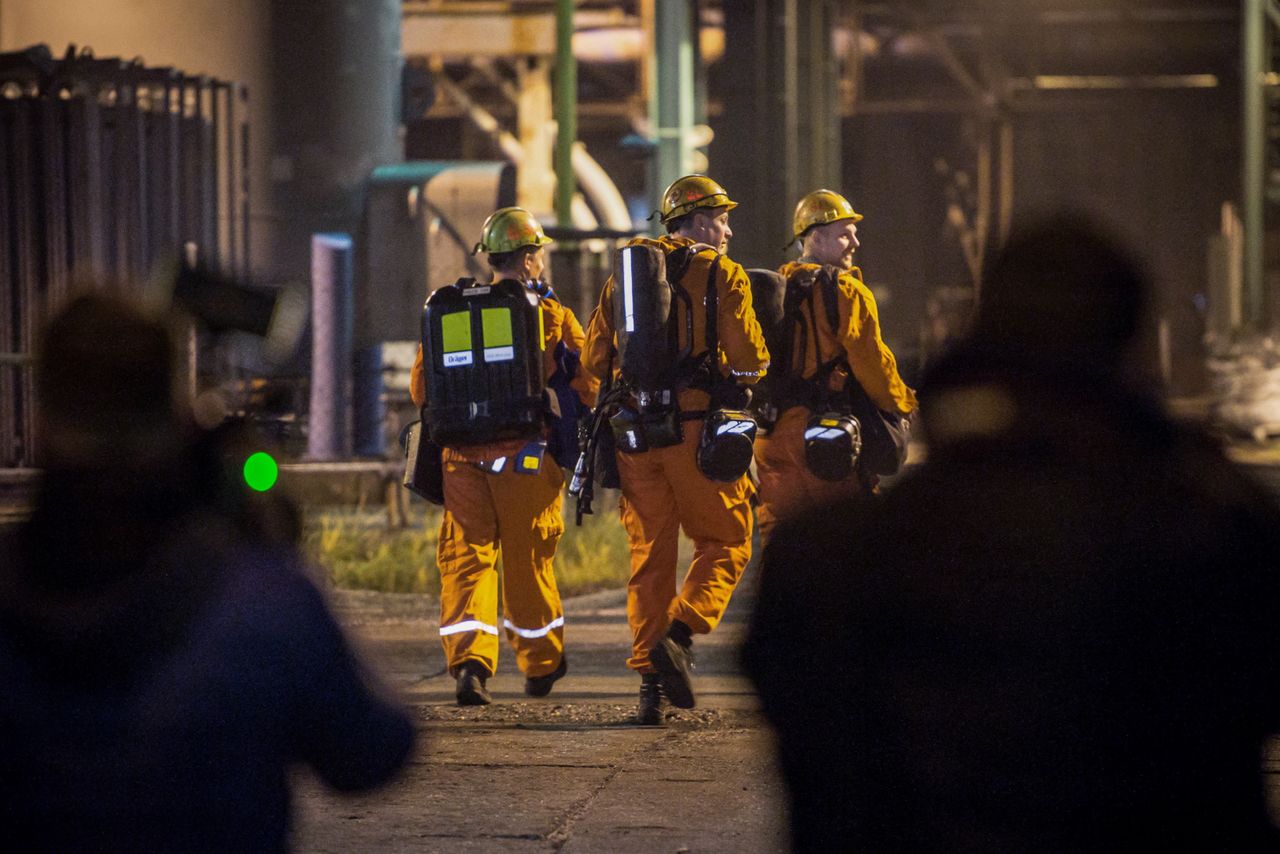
x: 489, y: 506
x: 662, y: 488
x: 826, y: 225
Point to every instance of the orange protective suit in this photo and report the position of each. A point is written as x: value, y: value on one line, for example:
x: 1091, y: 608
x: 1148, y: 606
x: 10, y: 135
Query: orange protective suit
x: 489, y: 508
x: 787, y: 487
x: 662, y: 489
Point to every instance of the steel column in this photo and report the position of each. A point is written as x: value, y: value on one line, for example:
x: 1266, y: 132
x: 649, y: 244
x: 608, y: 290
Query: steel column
x: 1254, y: 53
x: 672, y: 98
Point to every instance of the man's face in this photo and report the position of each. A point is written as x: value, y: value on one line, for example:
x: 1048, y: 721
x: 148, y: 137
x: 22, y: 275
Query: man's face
x: 534, y: 263
x: 712, y: 228
x: 833, y: 243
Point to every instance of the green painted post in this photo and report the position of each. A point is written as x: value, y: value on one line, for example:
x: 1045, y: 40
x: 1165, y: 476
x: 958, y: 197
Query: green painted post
x: 672, y: 98
x: 566, y: 111
x: 1254, y: 53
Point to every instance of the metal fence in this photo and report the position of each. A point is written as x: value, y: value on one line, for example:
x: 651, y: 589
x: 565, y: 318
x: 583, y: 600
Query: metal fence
x: 107, y: 168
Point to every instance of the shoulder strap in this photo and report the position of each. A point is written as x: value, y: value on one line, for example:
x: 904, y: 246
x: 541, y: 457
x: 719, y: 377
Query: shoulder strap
x: 799, y: 296
x: 678, y: 261
x: 713, y: 310
x: 829, y: 278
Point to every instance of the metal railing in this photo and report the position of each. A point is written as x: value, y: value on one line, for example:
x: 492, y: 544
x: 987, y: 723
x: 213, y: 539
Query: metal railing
x: 107, y: 167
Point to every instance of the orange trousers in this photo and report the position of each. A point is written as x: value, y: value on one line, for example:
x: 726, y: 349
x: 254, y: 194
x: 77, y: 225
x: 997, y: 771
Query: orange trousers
x: 787, y: 487
x: 519, y: 515
x: 662, y: 492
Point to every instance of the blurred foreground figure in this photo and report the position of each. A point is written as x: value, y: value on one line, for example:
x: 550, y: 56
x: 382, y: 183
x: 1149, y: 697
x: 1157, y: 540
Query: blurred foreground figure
x: 163, y: 662
x: 1060, y: 633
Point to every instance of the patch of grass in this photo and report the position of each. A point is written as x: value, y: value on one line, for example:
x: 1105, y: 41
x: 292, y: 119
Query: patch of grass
x: 359, y: 552
x: 595, y: 556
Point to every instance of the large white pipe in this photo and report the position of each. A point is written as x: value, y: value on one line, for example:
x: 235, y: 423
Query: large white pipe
x: 599, y: 187
x: 595, y: 182
x: 482, y: 119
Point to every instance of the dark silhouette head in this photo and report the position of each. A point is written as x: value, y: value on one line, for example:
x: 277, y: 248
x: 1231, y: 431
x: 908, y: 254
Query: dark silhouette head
x: 105, y: 383
x: 1062, y: 287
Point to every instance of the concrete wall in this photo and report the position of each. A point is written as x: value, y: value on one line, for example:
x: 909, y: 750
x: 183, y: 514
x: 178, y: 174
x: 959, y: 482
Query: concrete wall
x: 227, y: 39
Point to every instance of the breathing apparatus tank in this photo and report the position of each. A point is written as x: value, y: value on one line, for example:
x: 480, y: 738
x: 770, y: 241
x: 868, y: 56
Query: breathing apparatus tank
x: 482, y: 349
x: 644, y: 318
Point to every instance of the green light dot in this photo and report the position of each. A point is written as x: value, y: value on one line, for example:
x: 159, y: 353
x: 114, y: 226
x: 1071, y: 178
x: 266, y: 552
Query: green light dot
x: 261, y: 471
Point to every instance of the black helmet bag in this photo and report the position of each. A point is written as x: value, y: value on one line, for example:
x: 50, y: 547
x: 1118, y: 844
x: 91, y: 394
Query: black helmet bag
x: 724, y: 450
x: 423, y: 464
x: 832, y: 443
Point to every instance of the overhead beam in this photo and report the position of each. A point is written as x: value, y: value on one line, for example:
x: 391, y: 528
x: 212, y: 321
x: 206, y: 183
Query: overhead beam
x: 463, y: 31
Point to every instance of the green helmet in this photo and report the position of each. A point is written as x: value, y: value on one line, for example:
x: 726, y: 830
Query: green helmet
x: 508, y: 229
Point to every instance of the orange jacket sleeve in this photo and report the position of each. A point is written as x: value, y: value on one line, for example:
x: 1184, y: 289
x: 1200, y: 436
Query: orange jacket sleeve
x: 584, y: 382
x: 418, y: 381
x: 741, y: 340
x: 598, y: 350
x: 870, y: 359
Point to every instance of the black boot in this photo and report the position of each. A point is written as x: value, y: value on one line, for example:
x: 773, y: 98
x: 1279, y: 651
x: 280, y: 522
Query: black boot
x: 471, y: 678
x: 649, y: 712
x: 540, y: 686
x: 673, y: 658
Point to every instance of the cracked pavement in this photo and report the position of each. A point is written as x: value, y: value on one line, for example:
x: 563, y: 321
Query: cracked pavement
x: 566, y: 773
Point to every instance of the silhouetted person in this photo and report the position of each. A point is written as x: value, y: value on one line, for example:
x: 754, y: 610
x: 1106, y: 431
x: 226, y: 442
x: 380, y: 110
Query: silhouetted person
x: 163, y: 662
x: 1058, y: 634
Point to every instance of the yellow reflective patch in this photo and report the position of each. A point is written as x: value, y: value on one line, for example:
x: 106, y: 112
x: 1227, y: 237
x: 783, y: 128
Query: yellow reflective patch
x: 497, y: 326
x: 542, y: 329
x: 529, y: 462
x: 829, y: 422
x: 455, y: 331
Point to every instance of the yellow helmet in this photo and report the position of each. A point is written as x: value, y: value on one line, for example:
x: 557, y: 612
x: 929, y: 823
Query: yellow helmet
x: 690, y: 193
x: 819, y: 208
x: 508, y: 229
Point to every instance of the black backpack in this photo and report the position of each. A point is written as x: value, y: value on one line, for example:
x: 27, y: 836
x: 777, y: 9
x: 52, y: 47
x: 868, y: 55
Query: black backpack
x: 482, y: 353
x: 768, y: 293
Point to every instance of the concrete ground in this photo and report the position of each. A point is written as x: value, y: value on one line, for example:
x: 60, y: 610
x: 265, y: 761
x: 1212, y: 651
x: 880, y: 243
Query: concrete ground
x: 565, y: 773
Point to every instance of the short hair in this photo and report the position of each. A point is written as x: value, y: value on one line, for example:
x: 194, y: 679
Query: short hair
x: 674, y: 225
x: 507, y: 260
x: 684, y: 220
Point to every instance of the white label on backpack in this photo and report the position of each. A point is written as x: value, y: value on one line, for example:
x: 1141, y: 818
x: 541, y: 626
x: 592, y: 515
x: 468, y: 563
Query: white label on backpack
x: 628, y: 309
x: 454, y: 360
x: 470, y: 292
x: 734, y: 427
x: 499, y: 354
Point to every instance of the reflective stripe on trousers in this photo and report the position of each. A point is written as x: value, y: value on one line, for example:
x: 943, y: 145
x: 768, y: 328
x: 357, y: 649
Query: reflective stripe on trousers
x: 517, y: 515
